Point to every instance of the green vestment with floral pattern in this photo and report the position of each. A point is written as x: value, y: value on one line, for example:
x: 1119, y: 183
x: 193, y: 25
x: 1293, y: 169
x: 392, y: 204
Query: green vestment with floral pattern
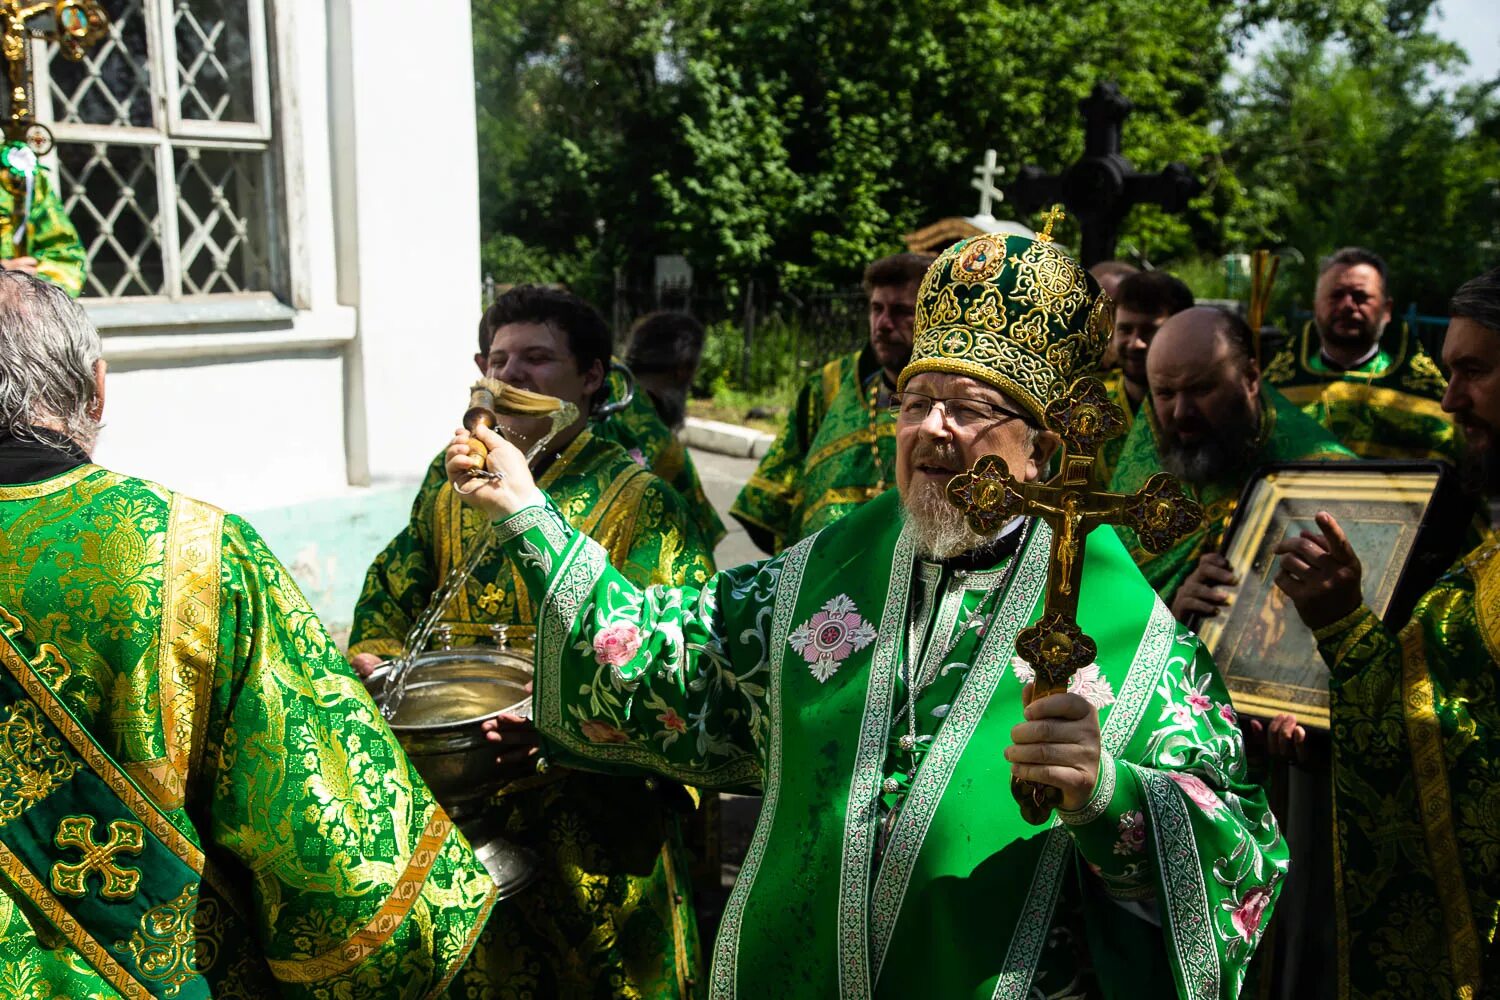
x: 1111, y: 450
x: 836, y: 452
x: 612, y: 914
x: 164, y: 642
x: 60, y: 256
x: 1416, y: 768
x: 1286, y: 435
x: 1387, y: 407
x: 639, y: 429
x: 793, y: 671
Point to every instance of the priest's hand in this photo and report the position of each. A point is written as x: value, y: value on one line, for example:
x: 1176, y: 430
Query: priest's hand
x: 1321, y: 574
x: 1203, y: 592
x: 519, y: 744
x: 508, y: 490
x: 1057, y: 745
x: 364, y: 664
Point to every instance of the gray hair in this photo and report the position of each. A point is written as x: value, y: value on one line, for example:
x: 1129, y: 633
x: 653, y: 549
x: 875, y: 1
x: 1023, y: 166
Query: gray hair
x: 1478, y: 299
x: 48, y: 349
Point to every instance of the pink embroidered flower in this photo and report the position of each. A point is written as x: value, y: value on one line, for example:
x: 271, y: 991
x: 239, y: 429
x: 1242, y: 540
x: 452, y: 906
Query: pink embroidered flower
x: 1226, y: 712
x: 1182, y: 715
x: 1093, y: 686
x: 1246, y: 917
x: 599, y: 731
x: 828, y: 638
x: 1132, y: 833
x: 671, y: 720
x: 1203, y: 796
x: 1200, y: 702
x: 616, y: 644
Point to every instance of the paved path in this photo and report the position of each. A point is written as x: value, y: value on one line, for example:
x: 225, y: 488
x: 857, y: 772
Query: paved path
x: 722, y: 478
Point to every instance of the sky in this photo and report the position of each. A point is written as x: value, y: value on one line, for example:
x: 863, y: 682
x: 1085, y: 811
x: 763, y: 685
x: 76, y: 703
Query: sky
x: 1473, y: 24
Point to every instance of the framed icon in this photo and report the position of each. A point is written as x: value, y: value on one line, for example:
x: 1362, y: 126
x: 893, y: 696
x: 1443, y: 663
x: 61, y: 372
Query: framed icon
x: 1405, y: 520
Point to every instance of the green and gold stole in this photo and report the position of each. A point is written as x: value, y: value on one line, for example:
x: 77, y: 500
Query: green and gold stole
x: 82, y: 844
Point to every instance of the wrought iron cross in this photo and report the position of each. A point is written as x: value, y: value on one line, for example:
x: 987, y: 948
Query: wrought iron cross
x: 1072, y: 505
x: 1102, y: 186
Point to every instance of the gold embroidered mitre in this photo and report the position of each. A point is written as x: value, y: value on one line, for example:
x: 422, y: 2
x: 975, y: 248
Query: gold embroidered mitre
x: 1014, y: 312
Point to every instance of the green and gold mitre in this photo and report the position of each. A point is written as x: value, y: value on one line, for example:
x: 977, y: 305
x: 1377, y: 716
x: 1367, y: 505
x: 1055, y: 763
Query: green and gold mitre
x: 1014, y: 312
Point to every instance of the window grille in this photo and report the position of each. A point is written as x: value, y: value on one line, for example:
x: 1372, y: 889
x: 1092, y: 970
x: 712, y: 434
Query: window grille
x: 165, y: 153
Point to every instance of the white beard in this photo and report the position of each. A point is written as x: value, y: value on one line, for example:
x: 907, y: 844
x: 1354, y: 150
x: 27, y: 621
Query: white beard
x: 937, y: 527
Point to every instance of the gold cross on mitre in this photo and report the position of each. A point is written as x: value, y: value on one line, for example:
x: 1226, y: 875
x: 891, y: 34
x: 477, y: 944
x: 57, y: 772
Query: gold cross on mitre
x: 72, y: 24
x: 1072, y: 505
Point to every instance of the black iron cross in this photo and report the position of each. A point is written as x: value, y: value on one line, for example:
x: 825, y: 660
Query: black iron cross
x: 1102, y: 186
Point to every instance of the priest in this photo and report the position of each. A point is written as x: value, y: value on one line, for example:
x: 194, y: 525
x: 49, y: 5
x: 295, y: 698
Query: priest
x: 867, y: 676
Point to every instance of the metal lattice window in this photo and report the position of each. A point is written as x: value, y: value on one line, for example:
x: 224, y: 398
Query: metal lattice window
x: 165, y: 153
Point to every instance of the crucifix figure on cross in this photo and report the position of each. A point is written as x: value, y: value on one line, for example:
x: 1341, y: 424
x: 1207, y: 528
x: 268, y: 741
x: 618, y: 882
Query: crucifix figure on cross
x: 1072, y: 505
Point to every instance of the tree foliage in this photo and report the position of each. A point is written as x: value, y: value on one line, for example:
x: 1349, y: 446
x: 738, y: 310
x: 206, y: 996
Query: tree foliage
x: 791, y: 141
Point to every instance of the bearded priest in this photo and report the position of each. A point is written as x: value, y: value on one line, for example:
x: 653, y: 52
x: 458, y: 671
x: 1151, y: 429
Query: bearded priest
x: 867, y: 678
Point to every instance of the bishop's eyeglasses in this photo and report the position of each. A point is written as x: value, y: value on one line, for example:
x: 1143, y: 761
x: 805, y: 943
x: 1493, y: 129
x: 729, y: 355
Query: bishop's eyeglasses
x: 913, y: 407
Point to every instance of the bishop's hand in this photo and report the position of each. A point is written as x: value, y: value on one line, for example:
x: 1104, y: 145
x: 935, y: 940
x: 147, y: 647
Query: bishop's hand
x: 503, y: 484
x: 1058, y: 745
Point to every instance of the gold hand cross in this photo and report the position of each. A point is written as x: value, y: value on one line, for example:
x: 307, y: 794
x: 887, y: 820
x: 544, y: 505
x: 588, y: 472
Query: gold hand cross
x: 1072, y: 505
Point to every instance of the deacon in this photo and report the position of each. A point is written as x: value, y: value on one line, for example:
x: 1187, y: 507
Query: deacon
x: 663, y: 353
x: 613, y: 904
x: 1416, y: 724
x: 1211, y: 422
x: 1373, y: 388
x: 837, y: 450
x: 1144, y: 301
x: 867, y: 677
x: 170, y: 702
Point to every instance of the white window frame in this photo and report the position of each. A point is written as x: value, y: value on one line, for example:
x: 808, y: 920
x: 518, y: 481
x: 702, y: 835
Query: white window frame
x: 174, y: 132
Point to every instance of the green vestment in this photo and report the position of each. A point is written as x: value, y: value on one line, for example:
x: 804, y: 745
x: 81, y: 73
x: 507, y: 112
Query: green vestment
x: 1286, y: 435
x: 640, y: 431
x: 836, y: 452
x: 612, y: 914
x: 165, y: 630
x: 1110, y: 451
x: 60, y: 256
x: 787, y: 672
x: 1416, y: 766
x: 1387, y: 407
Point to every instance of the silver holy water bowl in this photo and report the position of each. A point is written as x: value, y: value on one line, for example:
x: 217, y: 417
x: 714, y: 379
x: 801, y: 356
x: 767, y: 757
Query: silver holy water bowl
x: 449, y: 692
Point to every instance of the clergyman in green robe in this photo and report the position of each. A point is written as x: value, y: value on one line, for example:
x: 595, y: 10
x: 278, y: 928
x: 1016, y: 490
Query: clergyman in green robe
x: 53, y: 251
x: 1211, y: 421
x: 197, y: 796
x: 837, y: 448
x: 867, y: 676
x: 1363, y: 376
x: 612, y: 912
x: 1415, y: 714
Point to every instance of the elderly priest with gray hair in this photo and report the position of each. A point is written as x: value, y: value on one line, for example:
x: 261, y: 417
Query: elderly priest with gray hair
x: 881, y: 680
x: 197, y: 797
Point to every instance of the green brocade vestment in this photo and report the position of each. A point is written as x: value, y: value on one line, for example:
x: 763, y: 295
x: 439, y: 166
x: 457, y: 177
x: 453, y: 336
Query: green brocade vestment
x: 1388, y: 407
x: 612, y: 913
x: 788, y: 672
x: 317, y: 863
x: 1416, y: 765
x: 1286, y: 435
x: 640, y: 431
x: 60, y: 256
x: 1110, y: 451
x: 836, y: 452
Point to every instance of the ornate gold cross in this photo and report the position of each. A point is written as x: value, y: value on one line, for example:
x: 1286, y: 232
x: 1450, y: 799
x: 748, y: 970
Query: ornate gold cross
x: 78, y: 831
x: 1072, y: 505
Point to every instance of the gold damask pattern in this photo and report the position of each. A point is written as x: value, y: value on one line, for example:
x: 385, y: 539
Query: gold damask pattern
x: 1013, y: 312
x: 291, y: 777
x: 164, y: 948
x: 1416, y: 719
x: 32, y: 764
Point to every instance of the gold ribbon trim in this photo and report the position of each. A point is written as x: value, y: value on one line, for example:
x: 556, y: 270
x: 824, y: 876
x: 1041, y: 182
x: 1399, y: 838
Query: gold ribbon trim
x: 864, y: 435
x: 1424, y: 731
x: 378, y: 931
x: 92, y: 951
x: 1370, y: 395
x: 33, y: 491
